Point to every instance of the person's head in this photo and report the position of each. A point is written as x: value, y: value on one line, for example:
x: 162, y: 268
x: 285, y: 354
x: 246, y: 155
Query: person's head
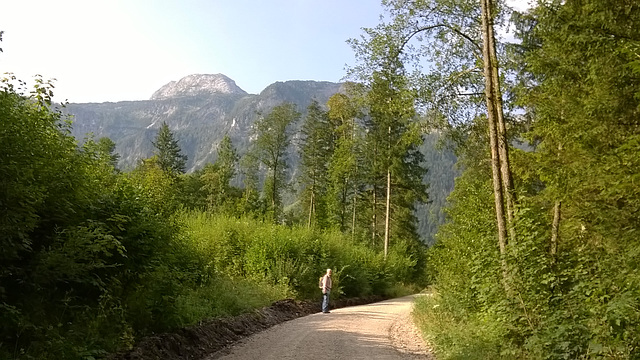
x: 328, y: 271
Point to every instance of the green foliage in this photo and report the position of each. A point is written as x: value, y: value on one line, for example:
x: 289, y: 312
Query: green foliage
x: 440, y: 177
x: 227, y: 159
x: 191, y: 192
x: 106, y: 149
x: 76, y: 235
x: 250, y: 203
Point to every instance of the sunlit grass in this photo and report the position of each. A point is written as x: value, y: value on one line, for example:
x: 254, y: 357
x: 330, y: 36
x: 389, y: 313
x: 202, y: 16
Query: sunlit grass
x: 455, y: 337
x: 226, y: 297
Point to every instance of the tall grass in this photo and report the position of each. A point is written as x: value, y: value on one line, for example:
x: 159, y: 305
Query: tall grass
x: 292, y: 257
x: 453, y: 336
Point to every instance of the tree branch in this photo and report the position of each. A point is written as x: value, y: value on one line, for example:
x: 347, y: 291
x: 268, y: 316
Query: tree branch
x: 427, y: 28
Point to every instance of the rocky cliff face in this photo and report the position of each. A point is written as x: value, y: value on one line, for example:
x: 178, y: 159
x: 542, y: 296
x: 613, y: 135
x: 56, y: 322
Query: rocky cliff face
x: 199, y: 109
x: 198, y: 84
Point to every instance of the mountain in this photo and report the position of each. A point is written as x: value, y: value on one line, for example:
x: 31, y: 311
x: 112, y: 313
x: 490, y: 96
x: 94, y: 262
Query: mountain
x: 199, y: 109
x: 199, y: 84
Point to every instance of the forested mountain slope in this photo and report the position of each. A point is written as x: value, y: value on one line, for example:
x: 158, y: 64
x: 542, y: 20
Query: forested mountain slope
x: 201, y: 109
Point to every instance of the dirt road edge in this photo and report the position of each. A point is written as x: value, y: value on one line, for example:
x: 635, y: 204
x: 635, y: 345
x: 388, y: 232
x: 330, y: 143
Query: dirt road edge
x: 195, y: 342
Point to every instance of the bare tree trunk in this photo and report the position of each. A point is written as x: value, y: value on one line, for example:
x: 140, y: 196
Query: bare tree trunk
x: 355, y: 178
x: 553, y: 250
x: 555, y: 225
x: 343, y: 205
x: 503, y: 146
x: 374, y: 229
x: 273, y: 194
x: 310, y: 210
x: 388, y: 207
x: 375, y: 219
x: 386, y: 220
x: 488, y: 50
x: 353, y: 220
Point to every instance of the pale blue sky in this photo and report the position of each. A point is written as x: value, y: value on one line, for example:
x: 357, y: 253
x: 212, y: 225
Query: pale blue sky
x: 113, y: 50
x: 126, y: 49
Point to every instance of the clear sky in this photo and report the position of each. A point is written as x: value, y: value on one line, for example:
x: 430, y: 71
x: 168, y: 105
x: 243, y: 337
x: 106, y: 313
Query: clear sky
x: 113, y: 50
x: 126, y: 49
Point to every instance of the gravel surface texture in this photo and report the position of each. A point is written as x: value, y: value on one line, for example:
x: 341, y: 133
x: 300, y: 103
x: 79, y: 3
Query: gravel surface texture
x: 381, y: 330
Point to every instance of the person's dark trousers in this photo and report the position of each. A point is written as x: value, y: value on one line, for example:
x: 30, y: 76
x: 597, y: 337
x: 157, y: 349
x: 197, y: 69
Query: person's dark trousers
x: 325, y: 302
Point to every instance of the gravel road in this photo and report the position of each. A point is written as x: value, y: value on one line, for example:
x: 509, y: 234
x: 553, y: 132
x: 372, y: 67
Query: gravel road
x: 381, y: 330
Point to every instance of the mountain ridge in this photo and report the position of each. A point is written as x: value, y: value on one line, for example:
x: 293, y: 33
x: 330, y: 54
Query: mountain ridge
x: 199, y: 109
x: 198, y: 84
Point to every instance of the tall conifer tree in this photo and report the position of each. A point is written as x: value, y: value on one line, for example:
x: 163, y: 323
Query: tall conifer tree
x: 317, y: 144
x: 343, y: 163
x: 217, y: 176
x: 170, y: 157
x: 393, y: 129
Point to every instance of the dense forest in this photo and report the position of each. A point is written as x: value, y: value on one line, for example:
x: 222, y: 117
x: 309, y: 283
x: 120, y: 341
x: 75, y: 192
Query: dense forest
x: 538, y: 258
x: 538, y: 255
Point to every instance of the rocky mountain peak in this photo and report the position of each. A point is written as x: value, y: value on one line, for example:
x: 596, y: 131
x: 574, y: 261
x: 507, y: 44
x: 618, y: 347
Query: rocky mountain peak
x: 198, y: 84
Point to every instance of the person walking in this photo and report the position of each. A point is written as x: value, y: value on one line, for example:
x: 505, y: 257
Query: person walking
x: 326, y: 290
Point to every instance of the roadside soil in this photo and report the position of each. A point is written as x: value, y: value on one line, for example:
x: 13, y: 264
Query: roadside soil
x: 213, y: 336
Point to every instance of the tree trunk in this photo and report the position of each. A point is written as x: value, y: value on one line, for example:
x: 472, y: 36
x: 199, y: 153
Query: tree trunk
x: 555, y: 225
x: 386, y: 220
x: 374, y: 225
x: 273, y: 193
x: 310, y: 209
x: 353, y: 220
x: 388, y: 205
x: 355, y: 178
x: 343, y: 205
x: 554, y: 229
x: 503, y: 146
x: 375, y: 200
x: 488, y: 49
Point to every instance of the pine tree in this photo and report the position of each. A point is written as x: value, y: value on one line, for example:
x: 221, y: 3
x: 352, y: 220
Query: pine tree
x: 250, y: 202
x: 217, y: 176
x: 316, y: 150
x: 107, y: 150
x: 170, y: 158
